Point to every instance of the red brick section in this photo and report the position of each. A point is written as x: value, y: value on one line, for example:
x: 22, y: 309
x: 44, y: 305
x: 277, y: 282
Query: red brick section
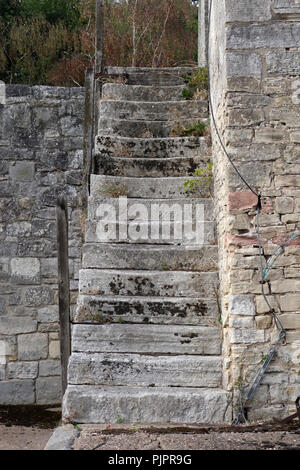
x: 241, y: 240
x: 241, y: 200
x: 279, y: 240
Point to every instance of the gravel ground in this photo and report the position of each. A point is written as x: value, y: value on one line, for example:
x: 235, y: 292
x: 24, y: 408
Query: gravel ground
x: 191, y: 438
x: 27, y: 427
x: 23, y: 437
x: 30, y: 428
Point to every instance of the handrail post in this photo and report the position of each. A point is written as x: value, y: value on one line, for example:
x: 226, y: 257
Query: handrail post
x: 99, y: 45
x: 63, y: 286
x: 202, y: 32
x: 88, y: 139
x: 99, y: 52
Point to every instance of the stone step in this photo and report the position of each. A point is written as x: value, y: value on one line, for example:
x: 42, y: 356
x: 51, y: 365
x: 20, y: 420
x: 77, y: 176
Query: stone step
x: 151, y: 111
x: 149, y: 167
x: 186, y: 233
x: 120, y: 91
x: 149, y: 257
x: 145, y: 188
x: 151, y: 76
x: 147, y: 339
x: 120, y: 146
x: 160, y: 209
x: 144, y: 129
x: 153, y: 310
x: 144, y: 371
x: 92, y: 404
x: 147, y: 283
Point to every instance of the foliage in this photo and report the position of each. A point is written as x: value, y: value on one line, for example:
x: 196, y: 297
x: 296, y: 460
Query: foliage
x: 197, y: 84
x: 54, y: 11
x: 32, y: 49
x: 197, y: 129
x: 204, y: 179
x: 51, y: 42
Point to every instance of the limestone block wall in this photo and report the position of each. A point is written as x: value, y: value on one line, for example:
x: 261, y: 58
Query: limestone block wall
x: 41, y: 131
x: 256, y: 94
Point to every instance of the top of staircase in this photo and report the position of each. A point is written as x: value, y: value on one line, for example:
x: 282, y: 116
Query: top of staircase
x: 151, y: 76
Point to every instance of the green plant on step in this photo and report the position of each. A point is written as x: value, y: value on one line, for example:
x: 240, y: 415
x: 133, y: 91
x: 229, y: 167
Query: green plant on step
x: 187, y: 94
x: 120, y: 420
x: 198, y: 129
x: 166, y: 267
x: 204, y: 180
x: 197, y: 84
x: 113, y: 190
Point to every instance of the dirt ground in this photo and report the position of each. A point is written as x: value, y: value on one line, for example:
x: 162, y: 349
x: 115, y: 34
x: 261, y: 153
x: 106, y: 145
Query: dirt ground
x: 191, y: 438
x: 29, y: 428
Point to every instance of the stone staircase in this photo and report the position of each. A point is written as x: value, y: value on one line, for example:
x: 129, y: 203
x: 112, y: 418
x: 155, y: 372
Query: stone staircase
x: 146, y: 342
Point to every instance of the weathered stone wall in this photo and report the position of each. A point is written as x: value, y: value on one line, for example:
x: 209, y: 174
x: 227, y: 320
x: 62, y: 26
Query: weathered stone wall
x: 41, y: 130
x: 258, y: 114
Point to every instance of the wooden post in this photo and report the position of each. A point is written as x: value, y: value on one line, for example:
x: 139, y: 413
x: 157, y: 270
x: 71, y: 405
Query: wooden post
x: 88, y: 139
x: 63, y: 286
x: 99, y: 46
x: 202, y: 32
x: 99, y: 50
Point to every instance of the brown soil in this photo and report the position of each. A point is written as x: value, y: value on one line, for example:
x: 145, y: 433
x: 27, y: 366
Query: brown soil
x: 27, y: 427
x: 125, y: 437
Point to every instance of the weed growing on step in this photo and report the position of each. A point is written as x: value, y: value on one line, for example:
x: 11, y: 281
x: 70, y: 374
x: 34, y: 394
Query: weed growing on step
x: 99, y: 318
x: 166, y: 267
x: 197, y: 85
x: 204, y: 180
x: 113, y: 190
x: 120, y: 420
x: 198, y: 129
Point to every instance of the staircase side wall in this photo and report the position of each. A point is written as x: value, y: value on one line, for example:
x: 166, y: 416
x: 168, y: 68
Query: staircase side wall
x: 41, y: 130
x: 255, y: 72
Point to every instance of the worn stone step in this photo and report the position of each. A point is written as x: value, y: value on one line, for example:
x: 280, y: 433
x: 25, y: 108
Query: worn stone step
x: 152, y: 310
x: 149, y: 257
x: 159, y: 209
x: 92, y: 404
x: 146, y: 188
x: 144, y: 129
x: 147, y: 283
x: 167, y: 147
x: 147, y: 339
x: 151, y: 111
x: 144, y: 371
x: 120, y: 91
x: 149, y: 167
x: 151, y: 76
x: 184, y: 233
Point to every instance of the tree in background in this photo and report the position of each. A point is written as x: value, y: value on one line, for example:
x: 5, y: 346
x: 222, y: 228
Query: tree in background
x: 67, y: 11
x: 52, y: 41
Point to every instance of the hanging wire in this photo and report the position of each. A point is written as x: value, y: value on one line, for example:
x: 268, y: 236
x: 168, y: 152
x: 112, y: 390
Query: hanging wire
x: 264, y: 271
